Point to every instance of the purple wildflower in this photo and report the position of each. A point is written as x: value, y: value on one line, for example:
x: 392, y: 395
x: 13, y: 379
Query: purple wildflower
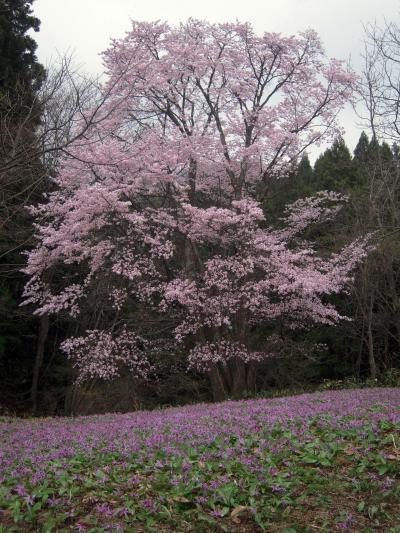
x: 20, y: 490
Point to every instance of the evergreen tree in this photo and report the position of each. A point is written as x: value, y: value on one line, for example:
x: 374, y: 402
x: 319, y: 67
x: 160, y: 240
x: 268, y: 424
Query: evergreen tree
x: 20, y: 163
x: 287, y: 189
x: 334, y: 169
x: 18, y: 62
x: 22, y: 180
x: 374, y: 159
x: 396, y: 153
x: 304, y: 171
x: 386, y: 153
x: 361, y: 151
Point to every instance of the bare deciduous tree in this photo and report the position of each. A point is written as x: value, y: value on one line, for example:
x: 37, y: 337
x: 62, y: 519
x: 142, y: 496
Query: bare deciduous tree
x: 377, y: 288
x: 380, y: 84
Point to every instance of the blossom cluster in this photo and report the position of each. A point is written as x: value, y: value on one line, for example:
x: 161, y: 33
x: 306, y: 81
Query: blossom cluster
x: 100, y: 355
x: 203, y: 356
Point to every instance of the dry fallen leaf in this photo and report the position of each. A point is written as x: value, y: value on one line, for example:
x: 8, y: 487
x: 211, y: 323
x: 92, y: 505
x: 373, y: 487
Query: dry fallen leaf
x: 239, y: 509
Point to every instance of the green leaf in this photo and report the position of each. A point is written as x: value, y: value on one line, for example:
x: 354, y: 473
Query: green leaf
x: 361, y: 507
x: 372, y: 511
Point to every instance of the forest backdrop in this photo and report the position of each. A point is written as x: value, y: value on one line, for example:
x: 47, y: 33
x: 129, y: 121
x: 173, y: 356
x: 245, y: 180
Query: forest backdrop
x: 50, y: 120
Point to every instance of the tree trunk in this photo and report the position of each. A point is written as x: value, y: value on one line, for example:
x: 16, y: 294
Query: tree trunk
x: 217, y: 384
x: 238, y: 368
x: 371, y: 356
x: 360, y: 351
x: 251, y: 377
x: 43, y: 332
x: 239, y: 379
x: 370, y: 338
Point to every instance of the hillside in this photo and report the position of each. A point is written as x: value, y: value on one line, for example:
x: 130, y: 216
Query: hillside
x: 315, y: 462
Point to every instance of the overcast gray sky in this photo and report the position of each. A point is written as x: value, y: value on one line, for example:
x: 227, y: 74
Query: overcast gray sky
x: 85, y: 27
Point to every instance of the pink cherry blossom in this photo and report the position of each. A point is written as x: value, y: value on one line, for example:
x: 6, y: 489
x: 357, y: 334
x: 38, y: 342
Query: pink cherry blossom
x: 160, y: 204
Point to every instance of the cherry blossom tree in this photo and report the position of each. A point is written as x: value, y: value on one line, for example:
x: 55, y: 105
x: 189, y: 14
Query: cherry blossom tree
x: 161, y: 201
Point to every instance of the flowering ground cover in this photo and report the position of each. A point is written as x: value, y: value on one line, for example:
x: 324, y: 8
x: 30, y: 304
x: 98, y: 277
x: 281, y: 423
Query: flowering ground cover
x: 316, y: 462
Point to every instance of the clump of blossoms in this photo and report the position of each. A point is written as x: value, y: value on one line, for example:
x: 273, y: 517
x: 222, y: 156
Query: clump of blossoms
x: 204, y: 356
x: 159, y: 206
x: 98, y: 354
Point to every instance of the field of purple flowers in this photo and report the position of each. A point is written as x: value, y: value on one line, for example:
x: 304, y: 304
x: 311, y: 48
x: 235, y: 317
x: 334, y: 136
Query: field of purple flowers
x: 316, y: 462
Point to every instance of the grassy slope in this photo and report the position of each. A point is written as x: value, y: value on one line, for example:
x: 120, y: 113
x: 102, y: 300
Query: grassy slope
x: 316, y: 462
